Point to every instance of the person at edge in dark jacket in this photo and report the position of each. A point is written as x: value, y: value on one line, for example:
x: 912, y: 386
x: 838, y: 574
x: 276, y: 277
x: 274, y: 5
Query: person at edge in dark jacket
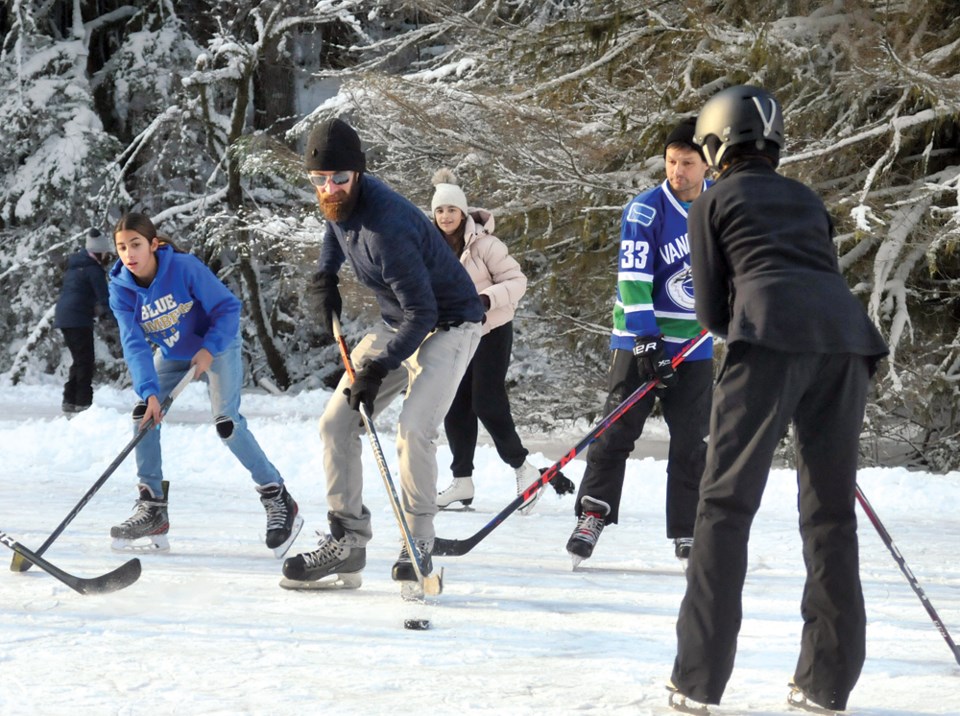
x: 431, y: 327
x: 174, y: 313
x: 801, y: 351
x: 83, y: 299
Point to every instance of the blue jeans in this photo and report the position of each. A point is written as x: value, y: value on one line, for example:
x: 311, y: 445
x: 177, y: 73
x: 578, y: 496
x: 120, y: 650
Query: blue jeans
x: 224, y: 380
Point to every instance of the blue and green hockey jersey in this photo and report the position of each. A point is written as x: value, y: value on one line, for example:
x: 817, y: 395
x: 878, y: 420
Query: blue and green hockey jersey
x: 654, y: 282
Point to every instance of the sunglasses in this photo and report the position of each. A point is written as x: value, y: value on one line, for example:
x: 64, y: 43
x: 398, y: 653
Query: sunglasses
x: 339, y: 178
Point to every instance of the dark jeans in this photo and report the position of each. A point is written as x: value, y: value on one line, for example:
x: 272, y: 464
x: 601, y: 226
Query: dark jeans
x: 759, y: 393
x: 78, y: 390
x: 482, y: 396
x: 686, y: 410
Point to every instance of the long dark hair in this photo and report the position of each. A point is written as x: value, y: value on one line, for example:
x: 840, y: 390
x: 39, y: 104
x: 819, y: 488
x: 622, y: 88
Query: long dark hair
x: 141, y: 223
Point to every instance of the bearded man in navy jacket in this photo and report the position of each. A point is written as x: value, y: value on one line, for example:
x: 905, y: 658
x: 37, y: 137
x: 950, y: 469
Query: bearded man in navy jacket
x: 431, y: 327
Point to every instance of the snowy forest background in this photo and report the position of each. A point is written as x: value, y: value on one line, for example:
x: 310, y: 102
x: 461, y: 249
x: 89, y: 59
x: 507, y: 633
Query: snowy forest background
x: 552, y: 113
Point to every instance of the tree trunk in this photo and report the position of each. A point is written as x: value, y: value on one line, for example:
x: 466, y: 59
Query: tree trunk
x: 271, y: 352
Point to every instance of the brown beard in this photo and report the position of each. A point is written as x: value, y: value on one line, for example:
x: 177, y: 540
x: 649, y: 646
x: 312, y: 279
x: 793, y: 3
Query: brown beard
x: 339, y: 210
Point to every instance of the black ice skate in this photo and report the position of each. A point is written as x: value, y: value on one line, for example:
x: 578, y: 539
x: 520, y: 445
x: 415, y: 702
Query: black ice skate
x: 283, y: 517
x: 146, y: 529
x: 589, y: 526
x: 682, y: 547
x: 403, y: 571
x: 333, y: 565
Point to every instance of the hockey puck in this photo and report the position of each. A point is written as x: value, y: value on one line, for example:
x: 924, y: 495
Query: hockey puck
x: 416, y: 624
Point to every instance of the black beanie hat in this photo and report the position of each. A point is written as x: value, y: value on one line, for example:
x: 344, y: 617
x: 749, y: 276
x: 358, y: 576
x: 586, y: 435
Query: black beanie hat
x: 683, y: 134
x: 333, y: 146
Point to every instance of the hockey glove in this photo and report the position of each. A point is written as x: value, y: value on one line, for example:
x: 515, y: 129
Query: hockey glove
x: 366, y: 385
x: 325, y: 300
x: 561, y: 484
x: 652, y: 364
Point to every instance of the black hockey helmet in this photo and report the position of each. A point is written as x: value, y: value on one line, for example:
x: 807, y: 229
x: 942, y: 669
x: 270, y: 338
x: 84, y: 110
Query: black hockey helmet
x: 737, y: 116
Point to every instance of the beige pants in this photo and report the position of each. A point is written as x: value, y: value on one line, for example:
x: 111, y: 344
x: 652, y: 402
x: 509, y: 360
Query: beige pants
x: 430, y: 378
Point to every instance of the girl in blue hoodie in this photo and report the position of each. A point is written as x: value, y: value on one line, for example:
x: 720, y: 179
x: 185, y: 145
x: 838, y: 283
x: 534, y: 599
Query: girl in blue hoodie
x: 174, y: 313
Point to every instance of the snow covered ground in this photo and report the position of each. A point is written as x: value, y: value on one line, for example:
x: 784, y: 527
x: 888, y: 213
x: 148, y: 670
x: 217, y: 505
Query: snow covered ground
x: 206, y: 629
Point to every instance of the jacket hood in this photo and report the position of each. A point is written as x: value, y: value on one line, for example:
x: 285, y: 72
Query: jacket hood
x: 483, y: 219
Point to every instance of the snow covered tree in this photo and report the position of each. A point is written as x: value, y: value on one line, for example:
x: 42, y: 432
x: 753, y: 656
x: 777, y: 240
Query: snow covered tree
x: 553, y: 115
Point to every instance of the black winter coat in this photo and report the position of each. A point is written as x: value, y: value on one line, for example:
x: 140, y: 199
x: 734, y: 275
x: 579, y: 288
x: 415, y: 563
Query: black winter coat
x: 765, y: 267
x: 84, y: 294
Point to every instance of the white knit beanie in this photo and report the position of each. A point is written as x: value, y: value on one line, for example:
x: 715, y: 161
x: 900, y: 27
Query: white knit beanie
x: 97, y: 243
x: 448, y: 193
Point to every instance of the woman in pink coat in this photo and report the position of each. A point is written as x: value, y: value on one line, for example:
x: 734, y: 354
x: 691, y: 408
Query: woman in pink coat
x: 482, y: 396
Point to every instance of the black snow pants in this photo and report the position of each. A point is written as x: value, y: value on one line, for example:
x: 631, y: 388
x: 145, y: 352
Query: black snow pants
x: 759, y: 393
x: 686, y: 410
x: 78, y: 390
x: 482, y: 396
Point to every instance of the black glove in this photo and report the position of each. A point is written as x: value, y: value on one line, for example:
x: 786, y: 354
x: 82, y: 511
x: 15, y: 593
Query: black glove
x: 648, y: 352
x: 561, y: 484
x: 325, y: 299
x: 366, y: 385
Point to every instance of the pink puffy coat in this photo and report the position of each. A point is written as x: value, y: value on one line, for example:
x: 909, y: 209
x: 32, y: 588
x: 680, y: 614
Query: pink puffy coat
x: 494, y: 271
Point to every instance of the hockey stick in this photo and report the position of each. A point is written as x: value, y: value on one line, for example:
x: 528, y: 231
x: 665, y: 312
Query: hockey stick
x: 459, y: 547
x: 912, y: 580
x: 123, y: 576
x: 431, y: 584
x: 19, y: 563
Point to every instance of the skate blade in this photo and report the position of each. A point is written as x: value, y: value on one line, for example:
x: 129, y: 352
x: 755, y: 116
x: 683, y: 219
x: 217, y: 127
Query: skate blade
x: 679, y: 702
x: 462, y: 508
x: 414, y: 591
x: 411, y: 591
x: 575, y: 560
x: 341, y: 581
x: 798, y: 700
x: 280, y: 551
x: 153, y: 543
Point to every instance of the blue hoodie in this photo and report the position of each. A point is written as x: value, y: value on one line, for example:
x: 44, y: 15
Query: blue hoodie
x: 396, y: 251
x: 184, y: 309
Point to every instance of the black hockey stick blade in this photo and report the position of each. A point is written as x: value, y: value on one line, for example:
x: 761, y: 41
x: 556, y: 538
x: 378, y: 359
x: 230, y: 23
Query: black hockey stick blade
x: 123, y: 576
x: 459, y: 547
x: 19, y: 563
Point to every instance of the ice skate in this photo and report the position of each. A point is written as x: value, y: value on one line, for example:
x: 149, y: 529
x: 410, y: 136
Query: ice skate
x: 403, y: 570
x: 682, y: 547
x: 527, y: 474
x: 589, y: 526
x: 460, y: 490
x: 799, y: 700
x: 146, y: 529
x: 683, y: 704
x: 283, y: 517
x: 411, y: 588
x: 333, y: 565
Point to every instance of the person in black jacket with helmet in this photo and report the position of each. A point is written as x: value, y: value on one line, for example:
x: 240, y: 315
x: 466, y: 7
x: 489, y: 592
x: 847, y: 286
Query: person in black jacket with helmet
x: 82, y: 299
x: 801, y: 350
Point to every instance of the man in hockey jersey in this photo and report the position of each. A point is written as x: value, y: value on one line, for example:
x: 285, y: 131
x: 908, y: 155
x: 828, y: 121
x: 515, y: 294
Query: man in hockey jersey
x: 652, y: 319
x: 430, y: 330
x: 801, y: 350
